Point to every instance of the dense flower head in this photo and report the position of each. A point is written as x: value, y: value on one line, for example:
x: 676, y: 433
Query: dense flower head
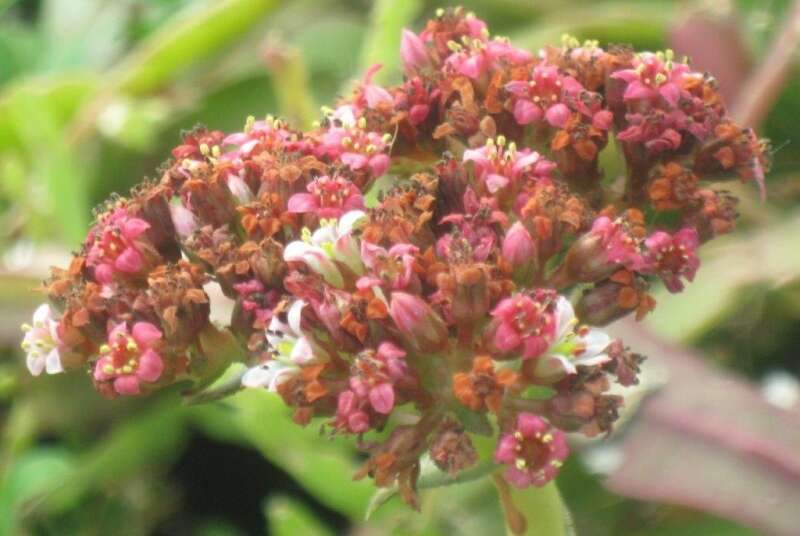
x: 422, y: 308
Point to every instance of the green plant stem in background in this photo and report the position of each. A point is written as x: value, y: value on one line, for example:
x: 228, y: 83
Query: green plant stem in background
x: 533, y: 511
x: 382, y: 41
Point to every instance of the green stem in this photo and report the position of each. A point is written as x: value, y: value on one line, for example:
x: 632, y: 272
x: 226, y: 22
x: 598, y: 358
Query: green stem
x: 533, y: 511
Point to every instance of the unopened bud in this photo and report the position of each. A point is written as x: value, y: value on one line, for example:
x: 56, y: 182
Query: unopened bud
x: 416, y: 320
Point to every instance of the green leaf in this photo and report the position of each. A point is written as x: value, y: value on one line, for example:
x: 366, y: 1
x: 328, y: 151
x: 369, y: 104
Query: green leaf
x: 382, y: 42
x: 36, y: 472
x: 288, y: 517
x: 131, y: 447
x: 533, y: 511
x: 185, y: 40
x: 53, y: 164
x: 292, y: 86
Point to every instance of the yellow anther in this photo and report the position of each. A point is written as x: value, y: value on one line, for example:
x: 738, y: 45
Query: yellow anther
x: 108, y: 369
x: 454, y: 47
x: 520, y: 463
x: 204, y: 149
x: 26, y: 327
x: 215, y: 151
x: 362, y: 122
x: 131, y: 346
x: 249, y: 124
x: 127, y: 369
x: 501, y: 140
x: 104, y: 348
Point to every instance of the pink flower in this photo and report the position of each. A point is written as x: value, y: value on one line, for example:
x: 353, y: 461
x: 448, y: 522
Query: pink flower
x: 372, y: 94
x: 376, y: 377
x: 618, y: 245
x: 257, y: 299
x: 415, y: 97
x: 393, y: 268
x: 653, y: 77
x: 347, y: 140
x: 267, y: 135
x: 413, y: 51
x: 499, y: 167
x: 416, y: 321
x: 476, y: 226
x: 115, y: 246
x: 350, y: 413
x: 327, y: 198
x: 524, y: 324
x: 673, y: 257
x: 478, y: 56
x: 543, y: 96
x: 130, y: 358
x: 534, y: 451
x: 658, y: 130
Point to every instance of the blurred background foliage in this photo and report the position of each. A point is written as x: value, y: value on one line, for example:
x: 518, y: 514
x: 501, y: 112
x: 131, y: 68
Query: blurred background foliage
x: 94, y: 93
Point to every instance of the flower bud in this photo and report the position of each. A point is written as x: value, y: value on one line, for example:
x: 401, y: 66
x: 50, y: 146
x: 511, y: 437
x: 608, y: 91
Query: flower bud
x: 520, y: 250
x: 416, y: 320
x: 184, y: 221
x: 471, y: 296
x: 413, y: 52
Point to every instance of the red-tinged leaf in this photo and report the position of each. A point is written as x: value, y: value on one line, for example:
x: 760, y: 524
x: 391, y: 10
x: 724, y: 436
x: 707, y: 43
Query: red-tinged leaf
x: 708, y: 440
x: 714, y: 43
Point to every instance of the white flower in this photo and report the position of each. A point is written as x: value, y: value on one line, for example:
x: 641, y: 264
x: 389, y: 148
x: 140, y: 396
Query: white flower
x: 41, y: 342
x: 269, y: 375
x: 291, y: 348
x: 585, y: 346
x: 332, y: 241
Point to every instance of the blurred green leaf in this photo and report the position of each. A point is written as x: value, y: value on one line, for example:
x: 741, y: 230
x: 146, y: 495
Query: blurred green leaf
x: 53, y: 164
x: 185, y: 40
x: 640, y: 23
x: 59, y: 95
x: 291, y: 84
x: 382, y: 42
x: 138, y: 445
x: 288, y: 517
x: 38, y: 471
x: 534, y: 510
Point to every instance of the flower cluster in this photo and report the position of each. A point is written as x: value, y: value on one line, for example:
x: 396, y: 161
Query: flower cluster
x: 437, y: 310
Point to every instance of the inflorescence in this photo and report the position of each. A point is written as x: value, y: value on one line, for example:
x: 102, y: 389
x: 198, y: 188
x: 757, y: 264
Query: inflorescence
x: 439, y: 309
